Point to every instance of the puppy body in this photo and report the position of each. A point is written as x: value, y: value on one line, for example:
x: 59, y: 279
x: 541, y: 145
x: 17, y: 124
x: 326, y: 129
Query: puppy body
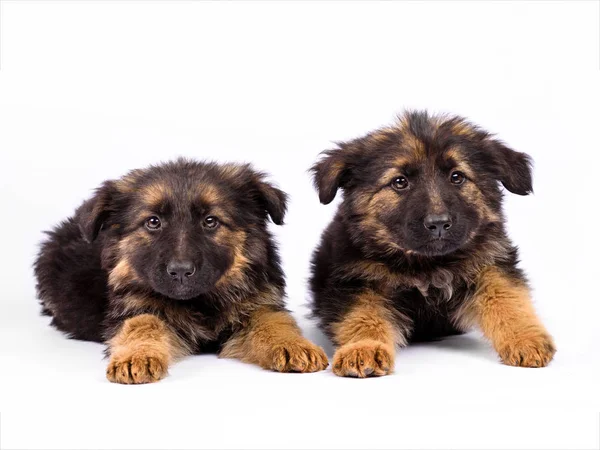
x: 387, y: 272
x: 174, y: 260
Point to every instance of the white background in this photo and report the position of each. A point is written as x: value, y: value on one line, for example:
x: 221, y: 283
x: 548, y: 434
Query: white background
x: 89, y: 90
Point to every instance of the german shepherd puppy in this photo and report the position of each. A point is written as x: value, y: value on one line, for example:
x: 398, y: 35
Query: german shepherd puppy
x: 173, y: 260
x: 418, y: 249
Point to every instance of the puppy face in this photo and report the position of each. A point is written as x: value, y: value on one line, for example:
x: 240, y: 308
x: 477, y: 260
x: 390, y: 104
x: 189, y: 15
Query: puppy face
x: 182, y: 228
x: 427, y: 185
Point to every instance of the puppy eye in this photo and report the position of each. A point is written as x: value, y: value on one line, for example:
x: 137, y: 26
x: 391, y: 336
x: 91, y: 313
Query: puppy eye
x: 153, y: 223
x: 400, y: 183
x: 457, y: 178
x: 211, y: 222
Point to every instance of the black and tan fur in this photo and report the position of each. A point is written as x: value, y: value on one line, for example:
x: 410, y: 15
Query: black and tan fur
x: 418, y: 248
x: 174, y: 260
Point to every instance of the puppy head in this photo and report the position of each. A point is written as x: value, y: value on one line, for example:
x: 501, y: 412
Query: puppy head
x: 426, y: 185
x: 182, y: 228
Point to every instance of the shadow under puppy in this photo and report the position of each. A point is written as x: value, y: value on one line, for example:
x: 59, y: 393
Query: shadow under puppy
x: 173, y: 260
x: 417, y: 249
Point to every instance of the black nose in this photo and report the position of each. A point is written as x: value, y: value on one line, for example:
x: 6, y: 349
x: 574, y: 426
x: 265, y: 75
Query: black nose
x: 438, y: 224
x: 181, y: 269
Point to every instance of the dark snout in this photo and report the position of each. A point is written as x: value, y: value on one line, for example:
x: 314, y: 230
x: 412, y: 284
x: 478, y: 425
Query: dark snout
x: 184, y: 277
x: 181, y: 270
x: 186, y: 265
x: 438, y: 224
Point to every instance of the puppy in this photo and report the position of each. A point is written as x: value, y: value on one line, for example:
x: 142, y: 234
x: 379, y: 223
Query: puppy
x: 418, y: 249
x: 170, y: 261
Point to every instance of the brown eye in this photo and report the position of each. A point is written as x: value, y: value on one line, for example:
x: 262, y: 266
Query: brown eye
x: 400, y: 183
x: 153, y: 223
x: 457, y: 178
x: 211, y: 222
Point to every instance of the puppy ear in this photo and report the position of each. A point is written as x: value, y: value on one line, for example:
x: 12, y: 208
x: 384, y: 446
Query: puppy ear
x: 513, y: 169
x: 91, y: 215
x: 329, y: 174
x: 272, y: 199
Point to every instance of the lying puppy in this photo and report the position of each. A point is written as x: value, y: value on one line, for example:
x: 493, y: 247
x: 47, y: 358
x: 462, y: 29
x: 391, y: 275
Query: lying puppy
x: 418, y: 249
x: 170, y: 261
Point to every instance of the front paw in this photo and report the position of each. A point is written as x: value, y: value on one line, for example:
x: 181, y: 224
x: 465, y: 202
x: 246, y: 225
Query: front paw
x: 299, y: 355
x: 363, y: 359
x: 137, y: 367
x: 532, y: 350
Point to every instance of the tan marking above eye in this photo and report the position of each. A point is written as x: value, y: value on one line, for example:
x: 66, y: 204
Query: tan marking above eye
x: 452, y: 153
x: 214, y: 204
x: 220, y: 214
x: 209, y: 195
x: 392, y: 173
x: 154, y: 194
x: 401, y: 161
x: 388, y: 176
x: 455, y: 156
x: 465, y: 169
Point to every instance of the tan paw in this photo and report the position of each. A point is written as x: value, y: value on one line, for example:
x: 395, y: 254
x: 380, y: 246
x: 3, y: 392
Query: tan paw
x: 299, y: 355
x: 532, y: 350
x: 137, y: 368
x: 363, y: 359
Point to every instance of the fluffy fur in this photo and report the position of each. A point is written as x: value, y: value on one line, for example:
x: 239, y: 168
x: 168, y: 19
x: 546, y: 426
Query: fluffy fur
x: 173, y: 260
x: 418, y: 248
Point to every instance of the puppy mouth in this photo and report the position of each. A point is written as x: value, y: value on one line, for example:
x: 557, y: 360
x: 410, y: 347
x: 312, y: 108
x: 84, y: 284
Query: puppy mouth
x: 180, y: 293
x: 183, y: 297
x: 437, y: 247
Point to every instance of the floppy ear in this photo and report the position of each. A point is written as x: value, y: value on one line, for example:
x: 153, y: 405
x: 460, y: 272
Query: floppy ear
x: 513, y: 169
x: 272, y: 199
x: 329, y: 174
x: 93, y: 212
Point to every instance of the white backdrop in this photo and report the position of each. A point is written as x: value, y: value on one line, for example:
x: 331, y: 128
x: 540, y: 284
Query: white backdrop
x: 89, y: 90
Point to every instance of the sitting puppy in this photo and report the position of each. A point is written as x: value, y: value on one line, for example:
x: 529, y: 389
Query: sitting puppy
x: 170, y: 261
x: 418, y: 249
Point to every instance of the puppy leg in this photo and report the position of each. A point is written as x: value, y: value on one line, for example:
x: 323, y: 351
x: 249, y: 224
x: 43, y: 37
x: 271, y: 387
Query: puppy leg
x: 272, y: 340
x: 366, y: 337
x: 502, y: 308
x: 142, y: 350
